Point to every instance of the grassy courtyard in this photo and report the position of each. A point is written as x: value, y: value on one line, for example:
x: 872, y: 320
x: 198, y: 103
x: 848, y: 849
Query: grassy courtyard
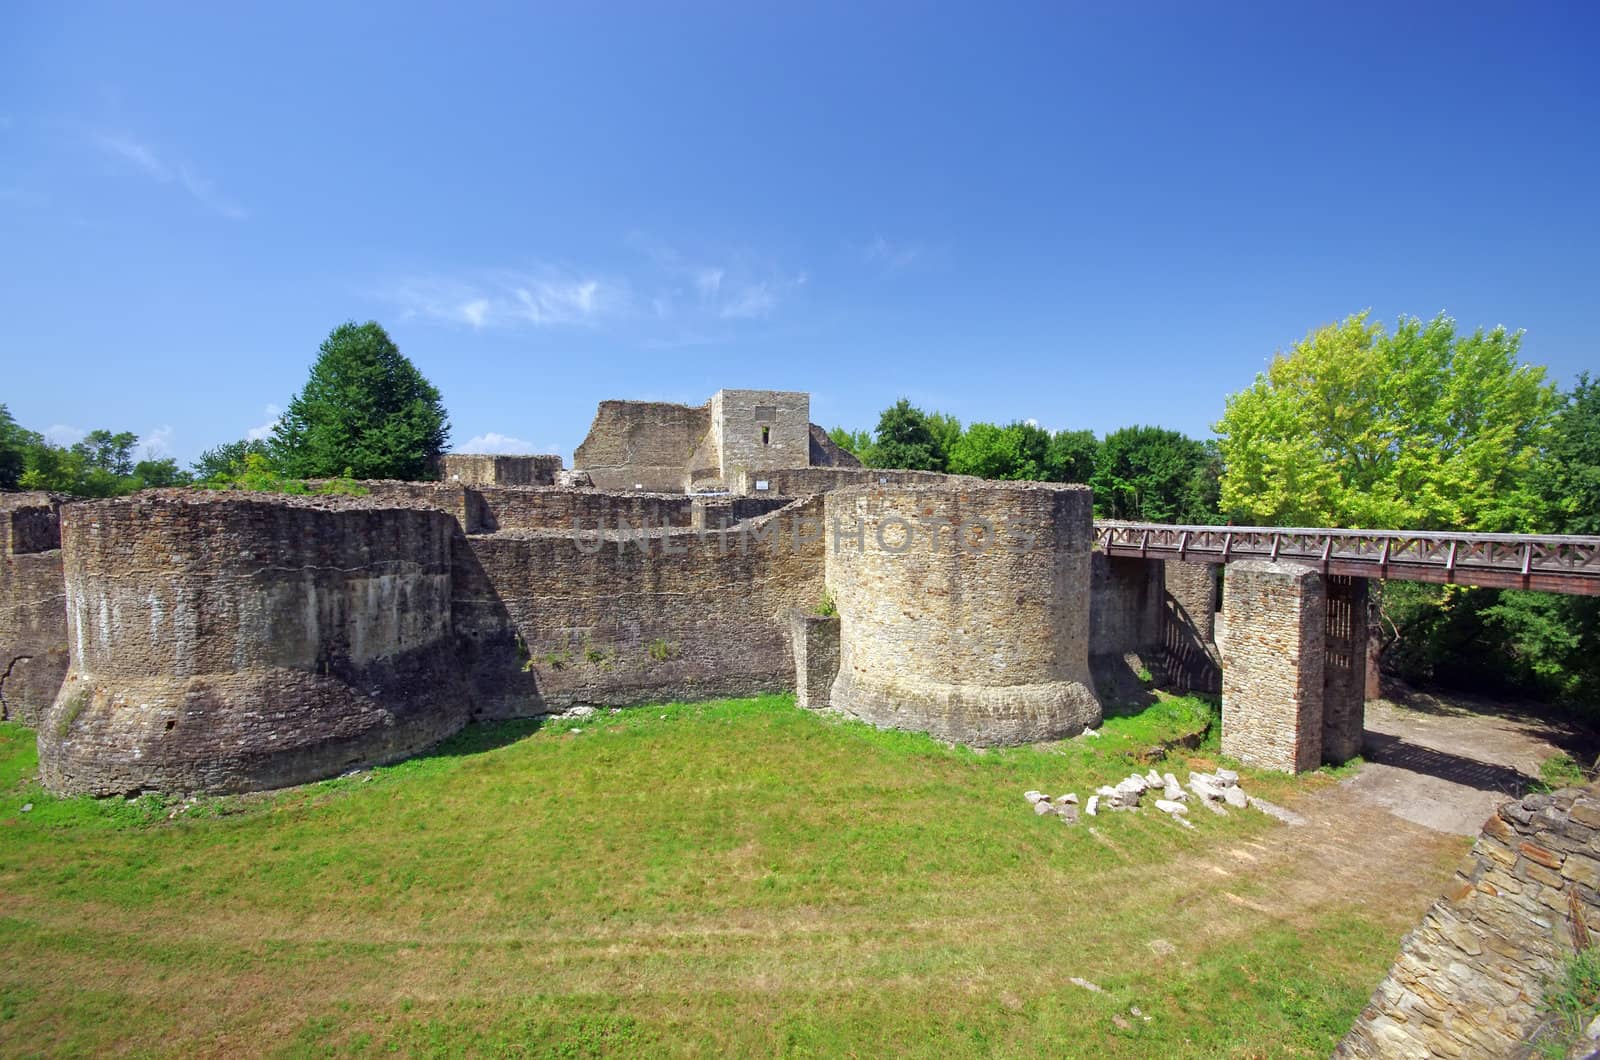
x: 730, y: 877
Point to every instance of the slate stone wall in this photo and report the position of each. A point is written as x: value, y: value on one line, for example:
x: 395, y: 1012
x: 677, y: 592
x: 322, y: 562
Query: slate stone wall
x: 979, y: 646
x: 33, y: 608
x: 229, y: 642
x: 1272, y: 673
x: 1469, y: 977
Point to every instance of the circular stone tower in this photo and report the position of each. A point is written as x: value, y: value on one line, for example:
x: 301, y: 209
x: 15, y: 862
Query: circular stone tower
x: 964, y: 609
x: 225, y: 642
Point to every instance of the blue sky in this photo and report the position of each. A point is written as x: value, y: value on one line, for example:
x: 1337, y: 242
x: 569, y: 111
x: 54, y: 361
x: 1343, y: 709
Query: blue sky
x: 1086, y: 215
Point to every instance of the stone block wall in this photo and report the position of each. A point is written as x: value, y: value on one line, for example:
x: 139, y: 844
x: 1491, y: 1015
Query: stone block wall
x: 804, y: 481
x: 758, y: 430
x: 613, y: 619
x: 645, y: 445
x: 1189, y: 657
x: 977, y: 645
x: 1272, y: 673
x: 230, y: 642
x: 816, y: 658
x: 33, y: 608
x: 1468, y: 979
x: 490, y: 469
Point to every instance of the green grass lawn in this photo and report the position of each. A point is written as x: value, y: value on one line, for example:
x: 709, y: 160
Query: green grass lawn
x: 731, y: 877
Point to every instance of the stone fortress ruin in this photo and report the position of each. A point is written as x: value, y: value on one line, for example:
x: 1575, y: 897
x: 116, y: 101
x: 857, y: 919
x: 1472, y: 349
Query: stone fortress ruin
x: 200, y: 641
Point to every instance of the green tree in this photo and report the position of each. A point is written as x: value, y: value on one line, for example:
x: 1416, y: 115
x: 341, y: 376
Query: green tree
x: 1015, y: 451
x: 946, y: 431
x: 227, y: 459
x: 1151, y: 474
x: 1422, y: 428
x: 904, y: 439
x: 858, y: 443
x: 1071, y: 456
x: 1569, y: 477
x: 155, y: 474
x: 15, y: 444
x: 366, y: 411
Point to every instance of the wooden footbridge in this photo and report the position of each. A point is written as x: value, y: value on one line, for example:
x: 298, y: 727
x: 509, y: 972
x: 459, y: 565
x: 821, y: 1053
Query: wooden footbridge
x: 1550, y: 563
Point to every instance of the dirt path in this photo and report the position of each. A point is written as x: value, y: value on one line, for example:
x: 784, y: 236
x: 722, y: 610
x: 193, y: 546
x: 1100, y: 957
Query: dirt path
x: 1446, y: 764
x: 1434, y: 772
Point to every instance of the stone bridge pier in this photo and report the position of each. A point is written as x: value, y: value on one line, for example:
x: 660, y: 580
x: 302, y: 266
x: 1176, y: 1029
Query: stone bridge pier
x: 1293, y: 665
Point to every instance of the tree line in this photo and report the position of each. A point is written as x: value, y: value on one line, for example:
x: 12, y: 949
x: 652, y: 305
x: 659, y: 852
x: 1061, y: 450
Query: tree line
x: 1148, y: 474
x: 365, y: 412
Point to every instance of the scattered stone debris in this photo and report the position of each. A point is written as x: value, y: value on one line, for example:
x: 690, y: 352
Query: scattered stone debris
x: 578, y: 712
x: 27, y: 807
x: 1162, y: 948
x: 1288, y: 817
x: 1215, y: 791
x: 1122, y: 1024
x: 1092, y: 732
x: 1075, y: 981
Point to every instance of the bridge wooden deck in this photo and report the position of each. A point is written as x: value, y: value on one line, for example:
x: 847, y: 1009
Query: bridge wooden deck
x: 1550, y: 563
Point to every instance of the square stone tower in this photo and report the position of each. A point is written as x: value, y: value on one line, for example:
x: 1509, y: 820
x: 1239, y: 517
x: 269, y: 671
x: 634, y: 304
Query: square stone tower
x: 760, y: 430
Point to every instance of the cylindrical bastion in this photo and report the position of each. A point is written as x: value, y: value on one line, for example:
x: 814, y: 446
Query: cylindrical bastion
x: 232, y: 642
x: 964, y: 610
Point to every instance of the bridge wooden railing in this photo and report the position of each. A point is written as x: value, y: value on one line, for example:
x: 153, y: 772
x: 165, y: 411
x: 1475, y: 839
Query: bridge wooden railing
x: 1506, y: 561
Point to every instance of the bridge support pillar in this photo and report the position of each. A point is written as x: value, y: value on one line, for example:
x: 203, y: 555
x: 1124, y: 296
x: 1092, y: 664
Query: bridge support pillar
x: 1273, y: 665
x: 1344, y: 675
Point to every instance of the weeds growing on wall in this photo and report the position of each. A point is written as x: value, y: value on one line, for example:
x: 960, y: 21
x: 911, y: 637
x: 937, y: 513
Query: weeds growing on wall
x: 1572, y: 1000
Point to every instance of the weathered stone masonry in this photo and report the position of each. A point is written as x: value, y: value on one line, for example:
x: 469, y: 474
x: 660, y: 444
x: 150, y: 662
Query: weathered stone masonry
x: 1469, y: 977
x: 33, y: 612
x: 1273, y: 665
x: 225, y: 643
x: 982, y: 645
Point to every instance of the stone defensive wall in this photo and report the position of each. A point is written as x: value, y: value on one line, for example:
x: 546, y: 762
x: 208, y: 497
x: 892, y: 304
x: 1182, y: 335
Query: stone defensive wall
x: 803, y: 481
x: 964, y: 610
x: 646, y: 445
x: 1469, y: 978
x: 618, y: 617
x: 489, y: 469
x: 233, y: 642
x: 33, y: 610
x: 224, y: 641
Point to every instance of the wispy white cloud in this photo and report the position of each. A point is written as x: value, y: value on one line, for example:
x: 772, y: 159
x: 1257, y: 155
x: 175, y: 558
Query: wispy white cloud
x: 661, y: 290
x: 156, y: 443
x: 752, y: 300
x: 548, y: 296
x: 495, y: 442
x: 63, y: 434
x: 892, y: 256
x: 144, y: 158
x: 264, y: 431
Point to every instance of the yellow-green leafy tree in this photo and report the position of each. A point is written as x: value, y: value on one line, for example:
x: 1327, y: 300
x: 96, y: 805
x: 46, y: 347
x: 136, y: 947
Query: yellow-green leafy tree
x: 1419, y: 428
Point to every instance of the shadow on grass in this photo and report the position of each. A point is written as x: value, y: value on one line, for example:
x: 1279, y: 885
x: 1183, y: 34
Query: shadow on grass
x: 481, y: 736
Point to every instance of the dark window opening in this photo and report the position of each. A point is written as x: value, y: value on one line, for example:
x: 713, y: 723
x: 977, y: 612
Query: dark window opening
x: 766, y: 435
